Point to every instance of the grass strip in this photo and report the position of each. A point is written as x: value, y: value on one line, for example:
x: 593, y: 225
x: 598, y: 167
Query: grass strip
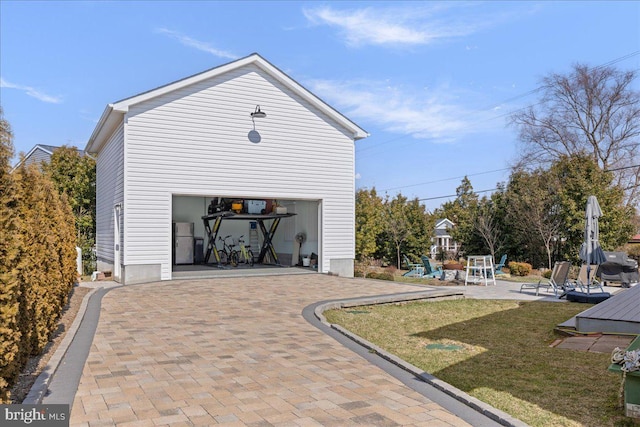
x: 503, y: 356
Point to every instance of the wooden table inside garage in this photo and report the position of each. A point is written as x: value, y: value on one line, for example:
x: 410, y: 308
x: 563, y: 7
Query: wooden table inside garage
x: 267, y: 234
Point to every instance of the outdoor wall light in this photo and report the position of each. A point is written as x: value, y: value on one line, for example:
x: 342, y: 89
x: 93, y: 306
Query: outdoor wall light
x: 257, y: 114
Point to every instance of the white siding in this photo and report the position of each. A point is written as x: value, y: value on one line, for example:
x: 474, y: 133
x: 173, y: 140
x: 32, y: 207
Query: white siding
x: 109, y: 192
x: 195, y: 141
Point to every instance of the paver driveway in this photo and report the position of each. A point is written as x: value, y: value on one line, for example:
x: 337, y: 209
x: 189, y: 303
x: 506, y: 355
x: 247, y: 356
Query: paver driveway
x: 237, y: 351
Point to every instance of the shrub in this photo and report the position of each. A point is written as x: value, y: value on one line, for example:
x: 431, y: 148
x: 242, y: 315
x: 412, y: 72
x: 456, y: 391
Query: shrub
x: 9, y: 255
x: 520, y: 268
x: 381, y: 276
x: 37, y: 265
x: 391, y: 270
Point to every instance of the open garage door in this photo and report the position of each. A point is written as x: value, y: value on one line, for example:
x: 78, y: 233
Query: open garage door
x: 295, y: 239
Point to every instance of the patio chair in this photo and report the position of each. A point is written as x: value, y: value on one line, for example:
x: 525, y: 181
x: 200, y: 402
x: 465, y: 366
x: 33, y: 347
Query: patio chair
x: 415, y: 270
x: 429, y: 271
x: 586, y: 285
x: 559, y: 280
x: 498, y: 268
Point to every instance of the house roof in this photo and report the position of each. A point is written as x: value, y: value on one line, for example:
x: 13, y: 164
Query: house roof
x: 114, y: 113
x: 445, y: 222
x: 439, y: 232
x: 49, y: 149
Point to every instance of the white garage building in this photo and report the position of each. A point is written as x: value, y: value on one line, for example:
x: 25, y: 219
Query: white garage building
x: 164, y: 155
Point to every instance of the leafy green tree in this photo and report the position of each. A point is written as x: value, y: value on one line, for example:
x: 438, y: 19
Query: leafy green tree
x: 534, y: 212
x: 422, y: 226
x: 580, y: 176
x: 547, y: 205
x: 369, y: 222
x: 9, y: 252
x: 407, y: 228
x: 74, y: 175
x: 462, y: 212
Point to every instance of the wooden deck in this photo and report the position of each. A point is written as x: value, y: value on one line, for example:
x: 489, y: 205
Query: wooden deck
x: 618, y: 314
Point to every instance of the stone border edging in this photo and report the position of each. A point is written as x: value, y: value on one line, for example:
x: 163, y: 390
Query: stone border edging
x: 41, y: 385
x: 482, y: 407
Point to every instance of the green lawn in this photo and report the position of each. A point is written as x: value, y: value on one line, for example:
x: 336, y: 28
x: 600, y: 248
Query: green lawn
x: 498, y: 351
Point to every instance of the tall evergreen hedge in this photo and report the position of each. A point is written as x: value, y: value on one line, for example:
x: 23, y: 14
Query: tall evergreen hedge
x: 9, y: 250
x: 37, y: 262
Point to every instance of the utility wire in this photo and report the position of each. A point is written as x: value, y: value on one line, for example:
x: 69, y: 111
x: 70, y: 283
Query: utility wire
x: 614, y: 61
x: 447, y: 179
x: 455, y: 195
x: 494, y: 189
x: 514, y: 98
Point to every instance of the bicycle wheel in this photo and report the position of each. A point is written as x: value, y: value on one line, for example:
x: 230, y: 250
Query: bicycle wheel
x: 250, y: 257
x: 234, y: 258
x: 224, y: 258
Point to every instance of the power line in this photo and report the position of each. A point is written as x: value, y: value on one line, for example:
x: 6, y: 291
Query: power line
x: 514, y: 98
x: 494, y: 189
x: 455, y: 195
x: 448, y: 179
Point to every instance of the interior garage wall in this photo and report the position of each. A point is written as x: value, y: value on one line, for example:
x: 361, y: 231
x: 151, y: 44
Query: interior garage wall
x: 192, y: 208
x: 305, y: 221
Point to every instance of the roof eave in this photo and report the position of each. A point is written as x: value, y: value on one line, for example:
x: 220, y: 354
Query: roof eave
x: 110, y: 118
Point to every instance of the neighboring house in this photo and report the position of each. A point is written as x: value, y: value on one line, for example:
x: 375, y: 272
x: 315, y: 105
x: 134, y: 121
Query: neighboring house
x: 164, y: 154
x: 38, y: 154
x: 635, y: 239
x: 443, y: 242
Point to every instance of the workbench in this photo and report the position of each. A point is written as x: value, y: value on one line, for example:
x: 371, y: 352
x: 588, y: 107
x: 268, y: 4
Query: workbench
x: 267, y: 234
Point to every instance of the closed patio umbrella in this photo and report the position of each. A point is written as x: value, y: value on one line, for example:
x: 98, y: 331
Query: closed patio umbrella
x: 590, y: 251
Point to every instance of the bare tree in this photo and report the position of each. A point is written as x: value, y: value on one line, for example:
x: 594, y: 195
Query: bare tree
x: 488, y: 228
x: 592, y: 111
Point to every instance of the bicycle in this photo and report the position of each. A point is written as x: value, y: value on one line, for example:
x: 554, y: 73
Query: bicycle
x: 245, y: 255
x: 227, y: 254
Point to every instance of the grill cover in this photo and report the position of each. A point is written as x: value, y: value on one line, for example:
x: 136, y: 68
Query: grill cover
x: 618, y: 268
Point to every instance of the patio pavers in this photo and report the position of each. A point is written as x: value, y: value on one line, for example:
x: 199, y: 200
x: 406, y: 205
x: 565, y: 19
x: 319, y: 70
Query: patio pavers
x: 237, y: 351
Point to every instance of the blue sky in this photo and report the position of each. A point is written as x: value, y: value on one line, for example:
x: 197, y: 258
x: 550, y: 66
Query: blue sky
x: 432, y: 82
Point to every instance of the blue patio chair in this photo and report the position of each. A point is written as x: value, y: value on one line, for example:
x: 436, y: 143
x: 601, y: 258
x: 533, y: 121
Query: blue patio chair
x: 429, y: 271
x: 498, y: 268
x: 415, y: 270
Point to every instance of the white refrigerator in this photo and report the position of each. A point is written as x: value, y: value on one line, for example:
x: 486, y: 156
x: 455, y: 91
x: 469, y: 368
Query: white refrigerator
x: 182, y: 243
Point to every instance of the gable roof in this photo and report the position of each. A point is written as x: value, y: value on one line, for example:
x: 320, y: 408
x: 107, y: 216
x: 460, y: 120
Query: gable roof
x: 444, y: 222
x: 47, y: 149
x: 114, y: 113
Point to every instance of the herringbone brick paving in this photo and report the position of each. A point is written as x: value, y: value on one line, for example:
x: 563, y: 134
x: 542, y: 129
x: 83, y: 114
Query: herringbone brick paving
x: 237, y: 352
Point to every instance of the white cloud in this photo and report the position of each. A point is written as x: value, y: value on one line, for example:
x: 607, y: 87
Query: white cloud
x: 399, y: 26
x: 35, y: 93
x: 358, y: 176
x: 435, y: 113
x: 197, y: 44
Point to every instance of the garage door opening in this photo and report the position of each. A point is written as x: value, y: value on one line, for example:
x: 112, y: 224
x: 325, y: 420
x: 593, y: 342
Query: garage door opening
x: 279, y: 233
